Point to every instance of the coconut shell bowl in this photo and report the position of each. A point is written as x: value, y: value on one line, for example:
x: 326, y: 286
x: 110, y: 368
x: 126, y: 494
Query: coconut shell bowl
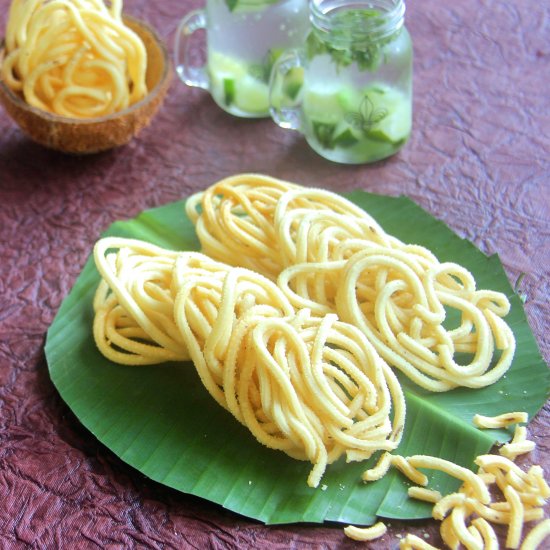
x: 86, y: 136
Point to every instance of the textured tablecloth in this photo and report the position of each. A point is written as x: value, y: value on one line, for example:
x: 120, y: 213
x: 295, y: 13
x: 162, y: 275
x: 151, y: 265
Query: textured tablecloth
x: 479, y: 159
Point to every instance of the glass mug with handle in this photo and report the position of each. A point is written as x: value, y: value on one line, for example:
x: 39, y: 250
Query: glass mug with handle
x: 355, y: 102
x: 243, y: 40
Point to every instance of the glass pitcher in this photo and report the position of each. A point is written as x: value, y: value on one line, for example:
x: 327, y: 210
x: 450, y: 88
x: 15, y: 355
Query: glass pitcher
x: 355, y: 104
x: 243, y: 40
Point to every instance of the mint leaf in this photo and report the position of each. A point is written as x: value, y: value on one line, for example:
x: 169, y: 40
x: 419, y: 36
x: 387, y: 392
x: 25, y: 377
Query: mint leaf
x: 347, y: 43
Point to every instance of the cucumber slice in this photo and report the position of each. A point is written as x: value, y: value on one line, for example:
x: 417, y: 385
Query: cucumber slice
x: 224, y: 73
x: 349, y: 99
x: 232, y: 84
x: 395, y: 127
x: 345, y: 139
x: 385, y: 108
x: 222, y: 66
x: 293, y: 82
x: 351, y: 118
x: 324, y: 133
x: 323, y: 106
x: 244, y: 6
x: 252, y: 95
x: 228, y: 91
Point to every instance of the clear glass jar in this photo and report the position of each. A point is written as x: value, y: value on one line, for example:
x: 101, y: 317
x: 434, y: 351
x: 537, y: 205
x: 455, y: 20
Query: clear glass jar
x: 355, y: 105
x: 244, y: 39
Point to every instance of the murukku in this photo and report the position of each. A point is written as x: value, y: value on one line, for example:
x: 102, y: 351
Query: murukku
x: 74, y: 58
x: 311, y: 386
x: 424, y: 317
x: 468, y: 515
x: 134, y: 302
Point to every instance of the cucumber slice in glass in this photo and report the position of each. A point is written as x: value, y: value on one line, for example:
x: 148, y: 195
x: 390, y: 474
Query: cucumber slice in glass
x: 323, y: 133
x: 244, y: 6
x: 224, y: 73
x: 293, y: 82
x: 223, y: 66
x: 228, y: 91
x: 252, y: 95
x: 232, y: 83
x: 395, y: 127
x: 349, y: 99
x: 322, y: 106
x: 346, y: 138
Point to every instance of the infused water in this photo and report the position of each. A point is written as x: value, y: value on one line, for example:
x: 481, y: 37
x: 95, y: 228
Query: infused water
x: 245, y: 38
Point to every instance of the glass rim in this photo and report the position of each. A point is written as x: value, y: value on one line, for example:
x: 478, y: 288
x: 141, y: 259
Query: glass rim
x: 390, y: 19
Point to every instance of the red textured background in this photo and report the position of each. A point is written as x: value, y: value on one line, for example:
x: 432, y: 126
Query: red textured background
x: 479, y: 159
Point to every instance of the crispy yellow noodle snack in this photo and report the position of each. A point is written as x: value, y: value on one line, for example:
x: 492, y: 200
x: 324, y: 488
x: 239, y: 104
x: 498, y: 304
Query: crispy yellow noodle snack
x: 519, y: 444
x: 329, y: 255
x: 467, y: 515
x: 74, y: 58
x: 536, y: 536
x: 412, y: 542
x: 421, y: 493
x: 134, y: 321
x: 366, y: 533
x: 500, y: 421
x: 310, y: 386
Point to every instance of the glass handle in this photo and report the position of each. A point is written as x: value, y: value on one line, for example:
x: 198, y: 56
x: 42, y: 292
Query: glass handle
x: 191, y: 75
x: 285, y: 87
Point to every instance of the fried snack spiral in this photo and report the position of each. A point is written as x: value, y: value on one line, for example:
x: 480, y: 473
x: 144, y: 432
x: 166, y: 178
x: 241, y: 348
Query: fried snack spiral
x: 310, y: 386
x: 328, y: 255
x: 245, y: 217
x: 74, y: 58
x: 133, y: 304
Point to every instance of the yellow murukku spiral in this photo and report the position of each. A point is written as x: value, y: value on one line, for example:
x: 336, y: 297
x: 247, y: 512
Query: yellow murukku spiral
x: 74, y: 58
x: 235, y: 221
x: 134, y: 302
x: 311, y: 386
x: 328, y: 255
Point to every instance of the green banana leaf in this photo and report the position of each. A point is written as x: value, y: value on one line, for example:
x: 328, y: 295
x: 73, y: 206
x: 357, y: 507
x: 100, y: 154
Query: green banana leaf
x: 160, y: 419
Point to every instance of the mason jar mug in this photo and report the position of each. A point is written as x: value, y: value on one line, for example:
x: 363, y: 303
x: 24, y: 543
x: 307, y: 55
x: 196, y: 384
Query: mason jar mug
x: 355, y: 102
x: 243, y: 40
